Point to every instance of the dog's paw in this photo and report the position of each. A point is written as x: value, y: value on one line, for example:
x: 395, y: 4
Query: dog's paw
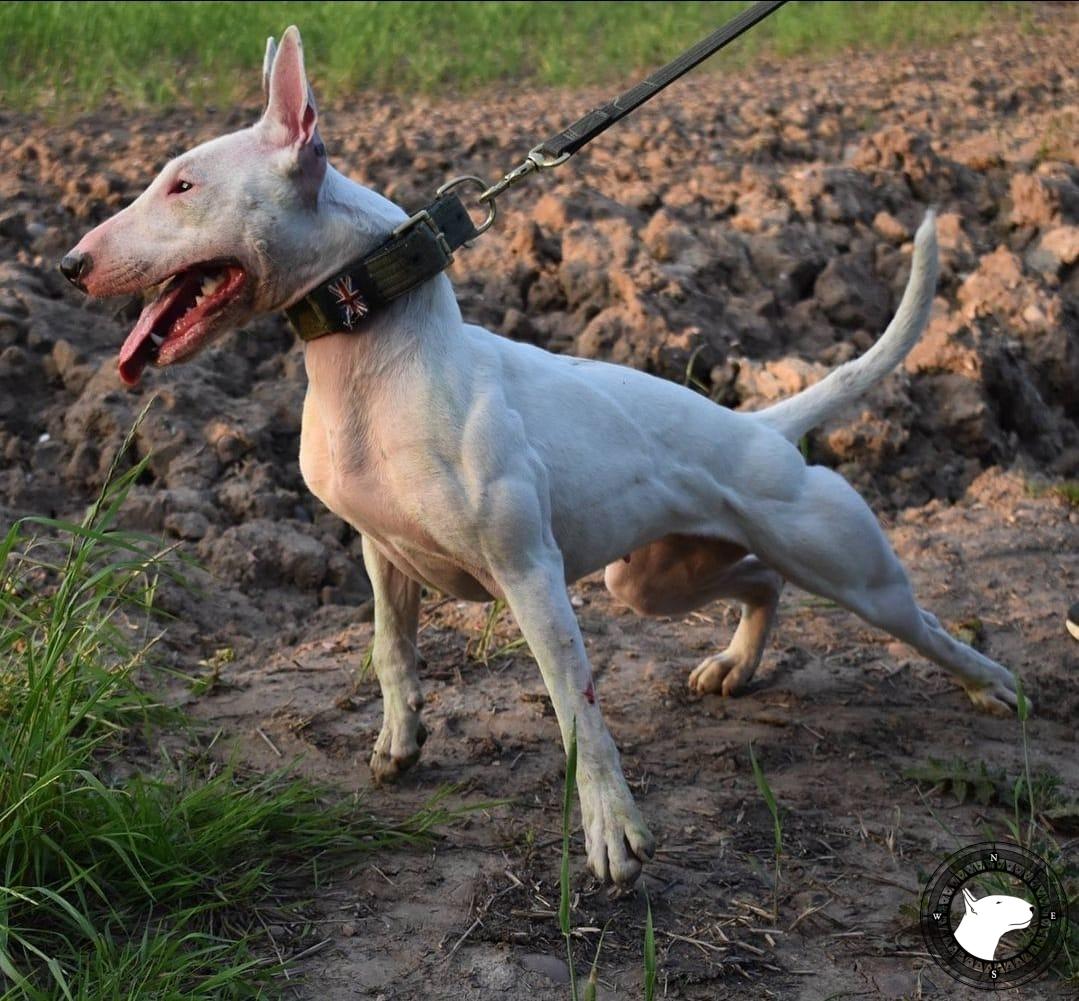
x: 616, y: 837
x: 397, y: 748
x: 724, y: 673
x: 999, y: 698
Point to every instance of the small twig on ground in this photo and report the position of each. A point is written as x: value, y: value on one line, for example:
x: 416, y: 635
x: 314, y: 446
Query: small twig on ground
x: 311, y: 950
x: 382, y: 874
x: 754, y: 908
x: 482, y: 914
x: 805, y: 914
x: 468, y: 931
x: 269, y: 743
x: 694, y: 941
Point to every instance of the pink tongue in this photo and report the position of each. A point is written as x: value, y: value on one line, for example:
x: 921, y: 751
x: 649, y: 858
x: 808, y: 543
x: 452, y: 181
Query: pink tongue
x: 138, y: 349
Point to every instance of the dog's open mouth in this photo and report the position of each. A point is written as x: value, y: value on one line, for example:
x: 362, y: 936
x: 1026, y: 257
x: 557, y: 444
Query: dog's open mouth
x: 176, y: 322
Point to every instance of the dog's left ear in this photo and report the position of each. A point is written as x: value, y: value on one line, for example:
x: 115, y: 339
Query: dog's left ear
x: 291, y: 117
x: 267, y: 67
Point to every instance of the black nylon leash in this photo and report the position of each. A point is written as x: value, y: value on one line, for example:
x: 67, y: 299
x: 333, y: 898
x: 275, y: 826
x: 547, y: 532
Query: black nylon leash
x: 598, y: 120
x: 423, y: 246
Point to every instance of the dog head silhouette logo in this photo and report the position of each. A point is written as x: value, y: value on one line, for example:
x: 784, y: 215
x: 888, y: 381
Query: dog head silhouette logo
x: 986, y: 920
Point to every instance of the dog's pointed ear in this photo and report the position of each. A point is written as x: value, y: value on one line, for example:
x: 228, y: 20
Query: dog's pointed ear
x: 290, y: 115
x: 267, y: 67
x: 968, y: 899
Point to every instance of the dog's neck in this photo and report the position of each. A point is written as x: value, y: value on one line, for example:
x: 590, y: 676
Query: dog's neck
x: 352, y: 220
x: 345, y: 370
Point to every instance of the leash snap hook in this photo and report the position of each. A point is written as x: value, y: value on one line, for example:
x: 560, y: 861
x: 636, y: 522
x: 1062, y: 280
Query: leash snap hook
x: 479, y: 182
x: 536, y: 160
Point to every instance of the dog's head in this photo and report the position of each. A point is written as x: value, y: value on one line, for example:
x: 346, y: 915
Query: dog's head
x: 998, y: 913
x: 226, y: 230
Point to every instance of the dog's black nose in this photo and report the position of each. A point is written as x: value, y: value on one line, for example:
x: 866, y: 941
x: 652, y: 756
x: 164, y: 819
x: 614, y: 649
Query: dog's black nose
x: 74, y: 267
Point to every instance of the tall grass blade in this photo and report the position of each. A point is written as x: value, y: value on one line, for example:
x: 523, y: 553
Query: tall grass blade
x: 593, y: 974
x: 649, y: 954
x: 777, y: 821
x: 564, y: 881
x: 1023, y: 708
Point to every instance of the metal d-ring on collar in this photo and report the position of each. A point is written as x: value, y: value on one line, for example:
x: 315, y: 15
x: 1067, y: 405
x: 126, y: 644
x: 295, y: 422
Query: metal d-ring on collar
x: 424, y: 244
x: 424, y: 217
x: 456, y: 182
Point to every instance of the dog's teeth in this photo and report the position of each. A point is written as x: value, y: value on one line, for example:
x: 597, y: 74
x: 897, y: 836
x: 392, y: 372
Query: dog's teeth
x: 199, y: 300
x: 157, y: 339
x: 211, y: 285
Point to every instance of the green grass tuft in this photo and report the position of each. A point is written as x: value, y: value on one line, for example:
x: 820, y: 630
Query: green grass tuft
x: 116, y: 882
x: 1069, y: 491
x: 1066, y: 490
x: 76, y: 56
x: 485, y: 647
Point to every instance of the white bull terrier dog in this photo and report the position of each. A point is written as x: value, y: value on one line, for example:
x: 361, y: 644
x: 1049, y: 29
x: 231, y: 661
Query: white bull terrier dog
x: 986, y: 920
x: 489, y: 469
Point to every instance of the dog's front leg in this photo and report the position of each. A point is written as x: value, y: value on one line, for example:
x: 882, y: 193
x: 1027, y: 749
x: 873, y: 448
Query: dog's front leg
x: 397, y: 610
x: 617, y: 839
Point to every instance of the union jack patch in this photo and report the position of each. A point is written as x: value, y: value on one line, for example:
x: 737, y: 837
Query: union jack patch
x: 350, y: 300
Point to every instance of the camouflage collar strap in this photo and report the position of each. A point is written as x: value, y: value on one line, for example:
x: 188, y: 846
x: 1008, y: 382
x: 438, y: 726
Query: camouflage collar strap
x: 415, y: 252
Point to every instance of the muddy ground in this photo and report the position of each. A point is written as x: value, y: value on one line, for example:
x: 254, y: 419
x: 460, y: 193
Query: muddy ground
x: 742, y: 235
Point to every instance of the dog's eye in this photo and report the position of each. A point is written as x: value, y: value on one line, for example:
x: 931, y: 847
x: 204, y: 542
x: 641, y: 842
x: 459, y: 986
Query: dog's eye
x: 180, y: 187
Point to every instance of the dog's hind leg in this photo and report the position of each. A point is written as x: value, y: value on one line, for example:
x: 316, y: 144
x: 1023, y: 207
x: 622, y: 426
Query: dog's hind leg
x: 397, y: 609
x: 757, y: 588
x: 678, y: 574
x: 822, y: 536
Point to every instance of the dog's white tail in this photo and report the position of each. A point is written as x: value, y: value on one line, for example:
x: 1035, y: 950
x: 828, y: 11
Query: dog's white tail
x: 794, y: 417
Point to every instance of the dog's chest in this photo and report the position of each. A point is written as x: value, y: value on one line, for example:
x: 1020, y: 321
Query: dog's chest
x: 381, y: 504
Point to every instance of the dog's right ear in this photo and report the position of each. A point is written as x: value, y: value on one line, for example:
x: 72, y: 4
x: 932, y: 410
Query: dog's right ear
x: 267, y: 68
x: 290, y: 116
